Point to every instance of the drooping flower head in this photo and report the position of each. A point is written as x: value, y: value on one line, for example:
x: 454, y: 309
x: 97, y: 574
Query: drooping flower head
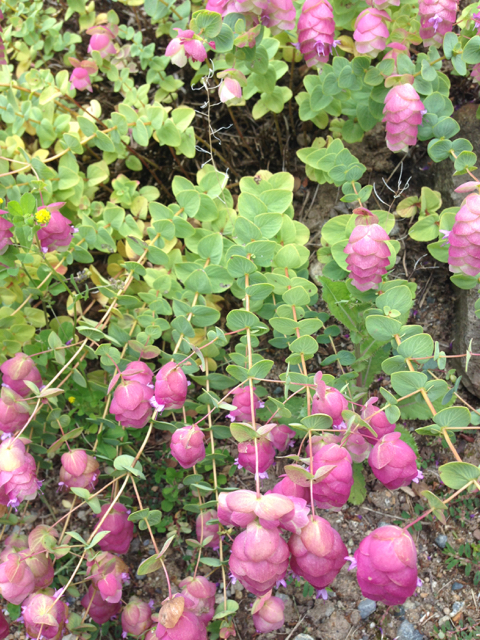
x: 187, y: 446
x: 230, y: 89
x: 268, y: 614
x: 4, y: 627
x: 247, y: 455
x: 99, y: 609
x: 44, y: 616
x: 171, y: 387
x: 78, y: 470
x: 367, y: 251
x: 179, y: 623
x: 80, y: 76
x: 377, y: 419
x: 393, y: 462
x: 437, y: 18
x: 108, y: 573
x: 371, y: 32
x: 102, y: 38
x: 328, y: 400
x: 316, y: 29
x: 243, y: 405
x: 387, y: 565
x: 17, y: 370
x: 205, y: 530
x: 464, y: 238
x: 199, y: 595
x: 18, y: 473
x: 185, y: 47
x: 318, y: 553
x: 403, y: 113
x: 14, y: 412
x: 333, y: 490
x: 281, y: 435
x: 16, y: 579
x: 56, y: 234
x: 136, y: 617
x: 131, y: 404
x: 121, y: 529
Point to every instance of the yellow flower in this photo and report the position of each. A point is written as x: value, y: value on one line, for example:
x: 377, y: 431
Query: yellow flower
x: 71, y: 399
x: 43, y: 216
x: 1, y: 200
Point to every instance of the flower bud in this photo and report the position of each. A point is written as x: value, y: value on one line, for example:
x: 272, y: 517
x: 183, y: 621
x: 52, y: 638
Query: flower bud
x: 131, y: 404
x: 18, y: 369
x: 377, y: 420
x: 80, y: 79
x: 98, y: 609
x: 199, y: 595
x: 367, y: 251
x: 334, y: 489
x: 316, y: 31
x: 171, y: 387
x: 101, y: 40
x: 136, y: 617
x: 357, y: 446
x: 243, y: 405
x: 205, y: 530
x: 269, y: 617
x: 185, y: 47
x: 393, y: 462
x: 402, y: 113
x: 230, y: 89
x: 247, y: 455
x: 14, y: 413
x: 371, y: 32
x: 5, y: 234
x: 16, y: 578
x: 328, y: 400
x: 464, y: 238
x: 121, y: 529
x: 387, y: 565
x: 44, y: 616
x: 259, y: 558
x: 57, y: 234
x: 187, y: 446
x: 78, y: 470
x: 295, y: 521
x: 318, y: 553
x: 281, y: 435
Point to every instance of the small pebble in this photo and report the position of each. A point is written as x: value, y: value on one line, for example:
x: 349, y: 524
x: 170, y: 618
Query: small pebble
x: 443, y: 620
x: 367, y: 607
x: 382, y: 524
x: 441, y: 541
x: 408, y: 632
x: 457, y: 606
x: 446, y: 611
x: 303, y: 636
x: 457, y: 586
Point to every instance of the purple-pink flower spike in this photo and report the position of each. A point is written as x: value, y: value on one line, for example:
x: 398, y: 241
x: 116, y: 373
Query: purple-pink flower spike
x: 328, y: 400
x: 17, y: 370
x: 393, y: 462
x: 377, y: 419
x: 57, y: 233
x: 371, y: 32
x: 205, y: 530
x: 119, y: 526
x: 270, y: 617
x: 402, y: 113
x: 334, y: 489
x: 243, y: 406
x: 247, y: 455
x: 367, y: 251
x: 437, y: 18
x: 464, y: 238
x: 318, y: 553
x: 136, y: 617
x: 387, y: 565
x: 131, y: 404
x: 316, y: 31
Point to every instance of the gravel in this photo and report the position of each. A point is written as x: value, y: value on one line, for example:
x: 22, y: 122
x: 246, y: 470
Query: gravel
x: 303, y: 636
x: 366, y: 607
x: 408, y: 632
x: 457, y: 606
x: 441, y: 541
x: 457, y: 586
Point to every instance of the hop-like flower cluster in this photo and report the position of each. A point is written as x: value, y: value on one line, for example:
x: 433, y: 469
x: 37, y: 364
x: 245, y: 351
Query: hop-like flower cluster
x: 333, y: 490
x: 57, y: 234
x: 437, y: 18
x: 171, y: 387
x: 247, y: 456
x: 108, y: 573
x: 243, y: 406
x: 281, y: 436
x: 367, y: 251
x: 328, y: 400
x: 403, y: 113
x: 371, y: 32
x: 199, y: 595
x: 184, y: 47
x: 102, y: 39
x: 387, y: 565
x: 78, y: 470
x: 45, y: 616
x: 393, y: 462
x: 377, y: 419
x: 99, y: 609
x: 18, y: 473
x: 14, y: 412
x: 136, y: 617
x: 187, y: 446
x: 205, y: 530
x: 6, y: 234
x: 268, y: 614
x: 120, y: 528
x: 80, y: 77
x: 17, y: 370
x: 464, y: 238
x: 316, y: 31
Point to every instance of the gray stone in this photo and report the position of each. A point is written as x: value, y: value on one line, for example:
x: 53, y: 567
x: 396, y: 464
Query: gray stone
x: 321, y: 609
x: 408, y: 632
x: 457, y: 586
x: 457, y: 606
x: 303, y: 636
x: 441, y: 541
x: 335, y: 628
x: 382, y: 523
x: 367, y: 607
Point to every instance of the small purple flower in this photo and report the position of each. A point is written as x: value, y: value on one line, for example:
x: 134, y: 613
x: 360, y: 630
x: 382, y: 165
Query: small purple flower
x: 322, y: 593
x: 353, y: 562
x: 435, y: 21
